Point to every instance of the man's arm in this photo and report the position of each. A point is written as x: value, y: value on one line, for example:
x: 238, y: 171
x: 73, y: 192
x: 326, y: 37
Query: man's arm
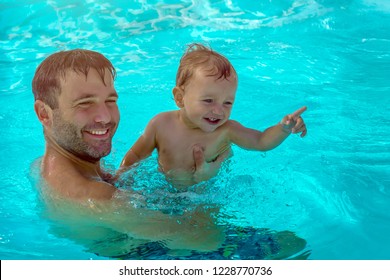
x: 194, y: 230
x: 205, y: 170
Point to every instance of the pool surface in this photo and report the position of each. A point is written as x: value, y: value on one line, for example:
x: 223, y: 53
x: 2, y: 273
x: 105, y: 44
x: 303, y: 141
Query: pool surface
x: 331, y: 188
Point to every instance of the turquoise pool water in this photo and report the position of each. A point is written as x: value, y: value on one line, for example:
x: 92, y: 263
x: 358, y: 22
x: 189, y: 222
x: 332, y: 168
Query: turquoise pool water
x: 330, y: 188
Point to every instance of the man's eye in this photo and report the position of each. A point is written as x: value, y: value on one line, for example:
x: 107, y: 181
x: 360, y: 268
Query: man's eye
x: 111, y: 101
x: 84, y: 104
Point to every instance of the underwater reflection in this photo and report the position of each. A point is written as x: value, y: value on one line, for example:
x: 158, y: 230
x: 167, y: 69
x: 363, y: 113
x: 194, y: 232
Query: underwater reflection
x: 149, y: 219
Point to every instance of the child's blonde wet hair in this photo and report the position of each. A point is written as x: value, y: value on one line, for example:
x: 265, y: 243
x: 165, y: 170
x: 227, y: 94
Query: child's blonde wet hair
x: 200, y: 57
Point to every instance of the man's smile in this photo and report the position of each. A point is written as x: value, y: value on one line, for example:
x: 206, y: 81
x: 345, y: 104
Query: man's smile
x: 98, y: 133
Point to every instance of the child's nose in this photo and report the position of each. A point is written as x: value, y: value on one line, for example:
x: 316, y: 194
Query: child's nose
x: 217, y: 109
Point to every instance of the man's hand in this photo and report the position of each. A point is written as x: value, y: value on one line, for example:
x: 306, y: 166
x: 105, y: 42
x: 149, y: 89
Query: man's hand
x: 293, y: 123
x: 206, y: 170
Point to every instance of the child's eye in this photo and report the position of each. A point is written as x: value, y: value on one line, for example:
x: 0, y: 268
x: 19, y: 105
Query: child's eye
x: 228, y: 103
x: 208, y: 100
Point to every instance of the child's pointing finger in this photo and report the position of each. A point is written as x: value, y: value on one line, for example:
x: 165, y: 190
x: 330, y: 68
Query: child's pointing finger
x: 298, y: 112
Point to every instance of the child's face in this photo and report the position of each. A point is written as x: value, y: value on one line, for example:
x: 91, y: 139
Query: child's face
x: 207, y: 102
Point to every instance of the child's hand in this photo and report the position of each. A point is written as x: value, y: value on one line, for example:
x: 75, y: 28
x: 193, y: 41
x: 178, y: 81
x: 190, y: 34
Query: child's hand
x: 294, y: 123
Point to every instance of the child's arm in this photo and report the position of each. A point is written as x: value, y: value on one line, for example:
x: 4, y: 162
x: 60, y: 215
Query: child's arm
x: 142, y: 148
x: 272, y: 137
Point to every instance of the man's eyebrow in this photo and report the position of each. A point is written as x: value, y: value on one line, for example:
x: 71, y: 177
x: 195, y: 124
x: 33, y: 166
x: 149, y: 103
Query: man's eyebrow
x: 85, y: 96
x: 88, y: 96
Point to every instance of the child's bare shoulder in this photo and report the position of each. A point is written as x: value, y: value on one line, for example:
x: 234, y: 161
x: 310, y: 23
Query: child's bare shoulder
x: 232, y: 124
x: 164, y: 118
x: 231, y: 127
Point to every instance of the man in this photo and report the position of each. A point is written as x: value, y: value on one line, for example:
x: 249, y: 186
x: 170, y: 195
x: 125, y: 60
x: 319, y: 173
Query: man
x: 75, y: 100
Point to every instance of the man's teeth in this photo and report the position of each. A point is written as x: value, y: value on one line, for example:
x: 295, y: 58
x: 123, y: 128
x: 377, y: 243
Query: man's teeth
x: 98, y: 132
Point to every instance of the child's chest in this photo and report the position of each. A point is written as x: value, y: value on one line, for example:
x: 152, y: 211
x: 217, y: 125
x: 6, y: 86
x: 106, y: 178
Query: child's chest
x: 176, y: 148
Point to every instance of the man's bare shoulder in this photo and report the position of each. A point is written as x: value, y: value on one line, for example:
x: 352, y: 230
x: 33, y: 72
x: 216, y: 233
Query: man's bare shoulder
x: 71, y: 181
x: 81, y: 187
x: 100, y: 190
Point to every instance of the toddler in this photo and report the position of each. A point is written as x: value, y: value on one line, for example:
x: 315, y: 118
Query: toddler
x: 205, y: 92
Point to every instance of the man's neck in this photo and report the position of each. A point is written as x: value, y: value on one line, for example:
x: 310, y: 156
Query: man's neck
x: 90, y: 168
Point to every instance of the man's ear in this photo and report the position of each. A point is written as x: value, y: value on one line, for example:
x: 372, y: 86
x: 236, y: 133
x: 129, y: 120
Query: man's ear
x: 44, y: 112
x: 178, y: 94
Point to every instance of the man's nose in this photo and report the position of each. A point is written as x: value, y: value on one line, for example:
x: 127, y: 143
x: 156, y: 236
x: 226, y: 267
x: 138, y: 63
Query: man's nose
x: 102, y: 114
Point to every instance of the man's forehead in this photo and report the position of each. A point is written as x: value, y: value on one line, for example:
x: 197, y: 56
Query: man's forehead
x: 84, y: 74
x: 74, y: 84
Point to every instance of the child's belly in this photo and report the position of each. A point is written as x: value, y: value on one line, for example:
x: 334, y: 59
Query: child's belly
x: 179, y: 164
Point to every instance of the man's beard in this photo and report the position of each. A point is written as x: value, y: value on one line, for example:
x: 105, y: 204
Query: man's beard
x: 69, y: 137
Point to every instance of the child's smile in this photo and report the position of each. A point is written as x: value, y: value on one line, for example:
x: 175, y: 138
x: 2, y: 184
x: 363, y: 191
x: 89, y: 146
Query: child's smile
x: 213, y: 121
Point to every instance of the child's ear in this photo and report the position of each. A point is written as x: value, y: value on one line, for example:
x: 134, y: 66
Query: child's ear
x: 178, y: 94
x: 44, y: 112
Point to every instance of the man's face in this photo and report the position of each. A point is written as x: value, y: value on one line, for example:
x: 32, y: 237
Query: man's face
x: 87, y: 116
